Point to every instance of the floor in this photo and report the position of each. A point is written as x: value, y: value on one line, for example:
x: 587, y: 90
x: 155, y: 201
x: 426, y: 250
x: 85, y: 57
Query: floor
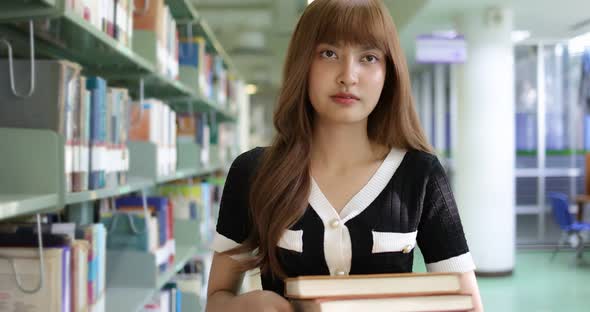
x: 538, y: 284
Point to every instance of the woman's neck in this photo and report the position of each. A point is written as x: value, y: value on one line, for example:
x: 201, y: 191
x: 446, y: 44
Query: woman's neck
x: 337, y: 146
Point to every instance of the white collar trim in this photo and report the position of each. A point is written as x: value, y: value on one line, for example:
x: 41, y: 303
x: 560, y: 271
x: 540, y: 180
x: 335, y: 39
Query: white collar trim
x: 363, y: 198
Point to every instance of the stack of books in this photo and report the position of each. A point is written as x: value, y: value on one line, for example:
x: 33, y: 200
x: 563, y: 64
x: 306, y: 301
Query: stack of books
x: 415, y: 292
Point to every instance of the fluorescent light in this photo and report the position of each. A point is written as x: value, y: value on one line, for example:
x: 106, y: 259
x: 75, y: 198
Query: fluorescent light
x: 251, y: 89
x: 449, y: 34
x: 578, y: 44
x: 309, y: 1
x: 520, y: 35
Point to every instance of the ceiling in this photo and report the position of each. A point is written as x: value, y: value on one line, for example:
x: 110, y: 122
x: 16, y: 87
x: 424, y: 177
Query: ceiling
x: 256, y: 33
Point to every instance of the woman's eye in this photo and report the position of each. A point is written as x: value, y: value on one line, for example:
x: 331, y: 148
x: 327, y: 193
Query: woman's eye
x: 370, y: 59
x: 328, y: 53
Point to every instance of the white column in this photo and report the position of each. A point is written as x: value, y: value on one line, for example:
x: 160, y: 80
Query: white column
x: 484, y: 159
x: 426, y: 102
x: 243, y: 117
x: 439, y: 109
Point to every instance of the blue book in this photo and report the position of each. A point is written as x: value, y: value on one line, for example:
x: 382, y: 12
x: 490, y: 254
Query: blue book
x: 191, y: 51
x: 98, y: 90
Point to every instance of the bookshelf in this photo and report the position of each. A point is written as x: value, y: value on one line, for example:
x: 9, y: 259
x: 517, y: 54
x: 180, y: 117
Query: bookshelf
x: 32, y: 178
x: 75, y: 39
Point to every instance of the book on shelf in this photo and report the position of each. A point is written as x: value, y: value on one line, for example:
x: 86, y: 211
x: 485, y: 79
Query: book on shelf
x: 81, y: 137
x: 117, y: 120
x: 378, y: 292
x: 191, y: 58
x: 155, y: 36
x: 98, y: 132
x: 113, y: 17
x: 155, y: 122
x: 187, y: 200
x: 80, y: 250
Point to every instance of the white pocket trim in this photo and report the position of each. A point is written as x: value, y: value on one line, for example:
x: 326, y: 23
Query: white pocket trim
x: 394, y: 241
x: 292, y: 240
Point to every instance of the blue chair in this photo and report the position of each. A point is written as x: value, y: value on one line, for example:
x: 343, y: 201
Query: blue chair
x: 571, y: 230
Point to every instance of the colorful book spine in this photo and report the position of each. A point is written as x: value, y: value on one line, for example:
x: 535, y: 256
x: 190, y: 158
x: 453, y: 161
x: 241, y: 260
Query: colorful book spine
x: 97, y: 87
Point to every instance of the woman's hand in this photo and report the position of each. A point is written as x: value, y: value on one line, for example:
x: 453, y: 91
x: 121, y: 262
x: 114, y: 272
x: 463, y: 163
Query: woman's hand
x: 260, y: 301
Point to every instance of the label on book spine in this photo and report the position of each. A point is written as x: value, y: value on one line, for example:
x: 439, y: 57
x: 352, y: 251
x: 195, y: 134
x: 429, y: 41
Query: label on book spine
x: 68, y: 158
x: 84, y: 159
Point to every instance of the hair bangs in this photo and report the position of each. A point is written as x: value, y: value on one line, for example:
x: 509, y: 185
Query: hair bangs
x: 355, y: 22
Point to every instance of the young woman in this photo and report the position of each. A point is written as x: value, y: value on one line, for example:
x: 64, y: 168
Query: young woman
x: 349, y: 184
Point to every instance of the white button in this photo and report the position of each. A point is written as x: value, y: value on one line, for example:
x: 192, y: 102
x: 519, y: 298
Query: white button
x: 407, y: 249
x: 340, y: 273
x: 335, y: 223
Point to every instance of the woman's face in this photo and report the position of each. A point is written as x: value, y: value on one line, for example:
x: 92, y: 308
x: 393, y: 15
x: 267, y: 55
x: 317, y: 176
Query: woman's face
x: 345, y: 82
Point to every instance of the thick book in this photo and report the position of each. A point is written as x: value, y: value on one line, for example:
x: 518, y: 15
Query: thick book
x: 454, y: 303
x: 373, y: 285
x: 79, y: 276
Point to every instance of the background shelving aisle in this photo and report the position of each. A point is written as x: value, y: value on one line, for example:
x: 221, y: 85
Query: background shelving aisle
x: 164, y: 127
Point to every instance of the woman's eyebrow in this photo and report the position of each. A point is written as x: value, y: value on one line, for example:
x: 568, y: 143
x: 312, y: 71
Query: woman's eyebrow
x: 365, y: 48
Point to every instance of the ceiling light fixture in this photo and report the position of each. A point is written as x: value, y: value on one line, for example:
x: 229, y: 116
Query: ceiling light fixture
x: 578, y: 44
x: 520, y: 35
x: 251, y: 89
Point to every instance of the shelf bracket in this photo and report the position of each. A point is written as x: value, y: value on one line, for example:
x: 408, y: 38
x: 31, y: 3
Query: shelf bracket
x: 141, y: 99
x: 32, y: 58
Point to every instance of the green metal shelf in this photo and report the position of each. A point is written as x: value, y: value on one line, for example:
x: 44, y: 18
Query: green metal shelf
x: 28, y: 183
x: 183, y: 255
x: 26, y: 204
x: 132, y: 299
x: 201, y: 104
x: 15, y: 10
x: 127, y: 299
x: 182, y: 9
x: 187, y: 173
x: 134, y: 184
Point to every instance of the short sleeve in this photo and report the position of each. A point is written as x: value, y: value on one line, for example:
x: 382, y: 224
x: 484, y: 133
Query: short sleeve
x: 440, y: 232
x: 234, y: 222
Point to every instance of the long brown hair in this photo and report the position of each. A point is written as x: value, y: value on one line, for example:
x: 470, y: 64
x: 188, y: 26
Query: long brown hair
x: 280, y: 187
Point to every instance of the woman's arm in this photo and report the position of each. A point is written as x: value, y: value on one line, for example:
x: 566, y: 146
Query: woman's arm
x: 469, y: 286
x: 225, y: 280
